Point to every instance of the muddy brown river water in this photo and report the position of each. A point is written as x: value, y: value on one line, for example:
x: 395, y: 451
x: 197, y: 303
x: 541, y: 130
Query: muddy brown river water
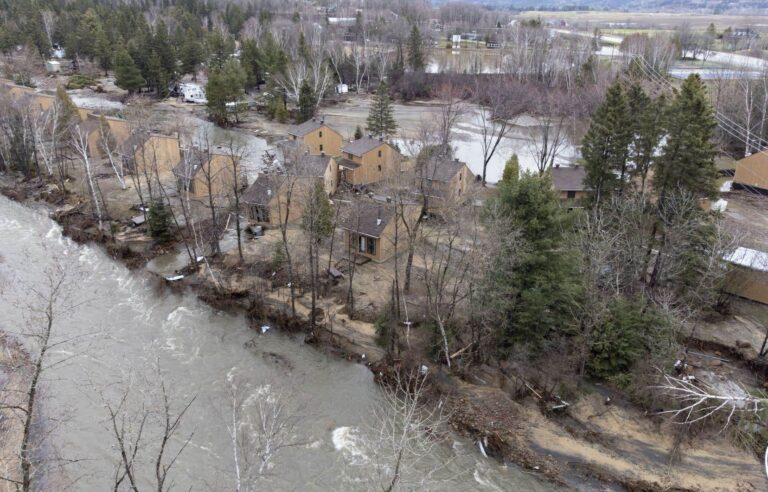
x: 126, y: 326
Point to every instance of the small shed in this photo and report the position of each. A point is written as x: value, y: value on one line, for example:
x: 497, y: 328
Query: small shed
x: 342, y: 88
x: 749, y: 277
x: 53, y: 66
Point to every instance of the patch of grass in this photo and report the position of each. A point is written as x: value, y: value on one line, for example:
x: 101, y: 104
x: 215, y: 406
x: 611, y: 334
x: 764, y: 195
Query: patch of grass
x: 79, y: 81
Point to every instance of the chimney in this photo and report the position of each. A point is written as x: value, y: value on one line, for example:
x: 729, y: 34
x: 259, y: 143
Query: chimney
x: 557, y: 165
x: 322, y: 120
x: 455, y: 159
x: 269, y: 192
x: 575, y: 166
x: 378, y: 217
x: 322, y: 153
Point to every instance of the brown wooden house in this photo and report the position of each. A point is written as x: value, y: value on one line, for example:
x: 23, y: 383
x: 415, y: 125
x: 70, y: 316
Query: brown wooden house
x: 749, y: 276
x: 205, y: 172
x: 150, y: 152
x: 368, y: 160
x: 272, y: 197
x: 752, y: 172
x: 569, y: 183
x: 444, y: 182
x: 317, y: 137
x: 370, y: 228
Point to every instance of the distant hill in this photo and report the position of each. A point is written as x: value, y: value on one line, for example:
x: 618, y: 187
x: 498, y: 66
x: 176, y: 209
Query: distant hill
x: 699, y: 6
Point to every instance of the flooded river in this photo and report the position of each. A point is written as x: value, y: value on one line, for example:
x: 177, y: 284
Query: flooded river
x: 126, y: 326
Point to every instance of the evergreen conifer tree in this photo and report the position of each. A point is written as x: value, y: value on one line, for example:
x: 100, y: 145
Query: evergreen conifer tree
x: 535, y: 294
x: 511, y: 170
x: 605, y: 147
x: 358, y: 132
x: 381, y: 121
x: 306, y: 103
x: 415, y: 50
x: 687, y: 161
x: 127, y: 74
x: 159, y: 221
x: 647, y: 130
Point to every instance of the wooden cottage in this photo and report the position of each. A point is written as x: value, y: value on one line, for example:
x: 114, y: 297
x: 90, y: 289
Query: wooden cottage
x: 749, y: 276
x: 205, y: 172
x: 368, y: 160
x: 370, y: 228
x: 317, y: 137
x: 569, y: 183
x: 145, y: 152
x: 444, y: 182
x: 752, y: 172
x: 272, y: 197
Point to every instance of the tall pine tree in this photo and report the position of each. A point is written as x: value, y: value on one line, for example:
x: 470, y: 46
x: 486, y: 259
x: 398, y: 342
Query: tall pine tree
x: 533, y: 287
x: 127, y: 74
x: 381, y: 121
x: 687, y: 161
x: 605, y: 147
x: 306, y: 103
x: 647, y: 129
x: 415, y: 53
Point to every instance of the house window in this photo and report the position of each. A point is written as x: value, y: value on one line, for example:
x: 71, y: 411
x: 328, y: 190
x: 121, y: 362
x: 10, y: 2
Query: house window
x: 571, y: 194
x: 379, y: 153
x: 321, y: 133
x: 379, y: 167
x: 321, y: 147
x: 260, y: 213
x: 367, y: 245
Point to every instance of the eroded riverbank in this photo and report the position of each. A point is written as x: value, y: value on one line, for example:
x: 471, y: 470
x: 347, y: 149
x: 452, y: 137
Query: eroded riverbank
x: 203, y: 351
x: 589, y: 445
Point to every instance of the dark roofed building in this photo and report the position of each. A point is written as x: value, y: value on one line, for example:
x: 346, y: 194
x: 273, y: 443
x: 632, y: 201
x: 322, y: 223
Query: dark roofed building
x: 569, y: 181
x: 317, y: 137
x: 362, y: 146
x: 370, y: 227
x: 445, y: 182
x: 368, y: 160
x: 305, y: 128
x: 442, y: 170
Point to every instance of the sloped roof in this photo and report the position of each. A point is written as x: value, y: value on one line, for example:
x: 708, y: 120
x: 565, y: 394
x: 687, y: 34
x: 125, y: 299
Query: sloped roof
x: 135, y: 140
x: 187, y: 168
x: 569, y: 178
x: 367, y: 217
x: 362, y: 146
x: 749, y: 258
x: 309, y: 165
x: 307, y: 127
x: 443, y: 170
x: 262, y: 190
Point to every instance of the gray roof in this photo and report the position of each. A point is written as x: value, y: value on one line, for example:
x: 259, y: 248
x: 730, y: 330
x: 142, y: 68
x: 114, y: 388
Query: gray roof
x: 262, y: 190
x: 362, y: 146
x: 187, y: 168
x: 136, y: 140
x: 570, y: 178
x: 305, y: 128
x: 310, y: 165
x: 443, y: 170
x: 367, y: 217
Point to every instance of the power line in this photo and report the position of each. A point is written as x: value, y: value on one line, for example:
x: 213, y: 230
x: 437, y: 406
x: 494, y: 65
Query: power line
x: 724, y: 123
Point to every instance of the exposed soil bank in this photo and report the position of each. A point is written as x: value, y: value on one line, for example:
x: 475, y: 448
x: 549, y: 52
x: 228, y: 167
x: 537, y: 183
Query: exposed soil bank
x: 594, y: 446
